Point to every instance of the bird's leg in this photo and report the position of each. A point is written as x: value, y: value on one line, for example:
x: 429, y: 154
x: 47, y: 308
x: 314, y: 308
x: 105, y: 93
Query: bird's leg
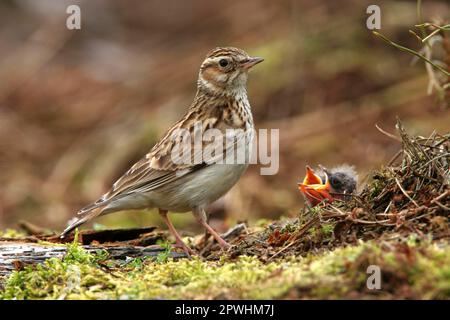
x: 207, y: 234
x: 174, y: 232
x: 200, y: 215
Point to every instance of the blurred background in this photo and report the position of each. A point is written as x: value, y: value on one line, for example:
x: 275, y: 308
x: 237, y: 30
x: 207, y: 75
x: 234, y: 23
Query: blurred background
x: 78, y: 107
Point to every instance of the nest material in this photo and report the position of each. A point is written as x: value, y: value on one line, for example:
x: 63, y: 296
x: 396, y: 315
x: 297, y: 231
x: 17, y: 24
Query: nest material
x: 410, y: 196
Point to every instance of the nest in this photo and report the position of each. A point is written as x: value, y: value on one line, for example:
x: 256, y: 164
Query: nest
x: 409, y: 197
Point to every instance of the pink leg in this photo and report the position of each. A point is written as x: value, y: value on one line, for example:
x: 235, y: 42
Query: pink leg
x: 207, y: 234
x: 200, y: 215
x: 174, y: 232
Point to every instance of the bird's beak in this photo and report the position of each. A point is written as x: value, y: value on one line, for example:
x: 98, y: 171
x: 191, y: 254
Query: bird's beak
x: 250, y: 62
x: 314, y: 188
x: 311, y: 177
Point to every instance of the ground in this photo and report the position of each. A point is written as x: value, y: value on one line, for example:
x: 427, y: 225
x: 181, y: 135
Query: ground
x: 411, y: 269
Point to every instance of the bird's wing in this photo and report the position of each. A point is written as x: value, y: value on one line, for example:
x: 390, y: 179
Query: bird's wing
x: 168, y: 161
x: 158, y: 167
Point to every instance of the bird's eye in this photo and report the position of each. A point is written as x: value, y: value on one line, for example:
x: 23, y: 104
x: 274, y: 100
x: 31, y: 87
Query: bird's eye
x: 223, y: 63
x: 335, y: 182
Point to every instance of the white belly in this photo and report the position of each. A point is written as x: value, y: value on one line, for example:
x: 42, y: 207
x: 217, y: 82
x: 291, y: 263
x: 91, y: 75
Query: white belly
x: 198, y: 189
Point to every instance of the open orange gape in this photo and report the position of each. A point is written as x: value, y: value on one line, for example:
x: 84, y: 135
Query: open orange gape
x: 315, y: 188
x: 339, y: 183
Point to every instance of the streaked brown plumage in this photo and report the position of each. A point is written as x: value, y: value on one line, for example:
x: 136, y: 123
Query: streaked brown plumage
x: 156, y: 181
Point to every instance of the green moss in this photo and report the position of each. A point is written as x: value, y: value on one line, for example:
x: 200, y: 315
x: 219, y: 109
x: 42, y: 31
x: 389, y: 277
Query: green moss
x: 11, y: 233
x: 424, y: 269
x: 327, y: 229
x: 164, y: 256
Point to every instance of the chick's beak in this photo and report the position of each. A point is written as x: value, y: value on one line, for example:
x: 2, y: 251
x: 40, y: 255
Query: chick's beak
x: 314, y: 188
x: 250, y: 62
x: 311, y: 177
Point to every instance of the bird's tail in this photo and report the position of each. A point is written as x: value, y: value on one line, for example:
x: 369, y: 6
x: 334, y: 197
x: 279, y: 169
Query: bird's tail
x: 84, y: 215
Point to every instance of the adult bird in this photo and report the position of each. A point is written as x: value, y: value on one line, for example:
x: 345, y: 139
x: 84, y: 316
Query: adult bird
x: 175, y: 181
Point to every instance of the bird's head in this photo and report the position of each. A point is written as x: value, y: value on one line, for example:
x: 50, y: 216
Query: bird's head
x: 225, y: 70
x: 328, y: 185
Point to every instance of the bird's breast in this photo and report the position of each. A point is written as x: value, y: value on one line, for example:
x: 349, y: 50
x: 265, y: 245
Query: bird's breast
x: 199, y: 188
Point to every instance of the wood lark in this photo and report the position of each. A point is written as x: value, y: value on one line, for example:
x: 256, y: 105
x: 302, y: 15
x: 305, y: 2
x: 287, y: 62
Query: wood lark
x: 157, y: 181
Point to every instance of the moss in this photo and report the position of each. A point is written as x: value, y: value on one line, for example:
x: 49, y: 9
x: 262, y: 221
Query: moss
x: 164, y: 256
x: 327, y: 229
x: 11, y: 233
x: 418, y: 270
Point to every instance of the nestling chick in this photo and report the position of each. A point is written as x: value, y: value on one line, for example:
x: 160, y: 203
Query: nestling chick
x: 335, y: 184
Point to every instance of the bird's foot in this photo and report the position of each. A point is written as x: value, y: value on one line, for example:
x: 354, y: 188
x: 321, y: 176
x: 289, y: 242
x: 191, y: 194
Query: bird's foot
x: 223, y: 244
x: 189, y: 252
